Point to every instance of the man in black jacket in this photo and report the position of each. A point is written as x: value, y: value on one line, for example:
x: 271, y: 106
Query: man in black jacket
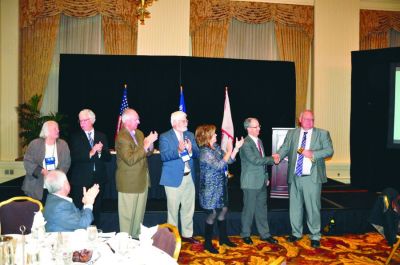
x: 89, y: 152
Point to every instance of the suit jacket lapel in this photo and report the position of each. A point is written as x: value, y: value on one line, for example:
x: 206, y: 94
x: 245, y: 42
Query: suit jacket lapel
x: 174, y: 137
x: 314, y: 137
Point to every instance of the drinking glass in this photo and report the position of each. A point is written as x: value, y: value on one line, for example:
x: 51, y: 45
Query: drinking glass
x: 92, y: 233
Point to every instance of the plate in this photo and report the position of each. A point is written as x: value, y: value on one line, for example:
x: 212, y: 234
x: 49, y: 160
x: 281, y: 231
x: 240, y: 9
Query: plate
x: 95, y: 256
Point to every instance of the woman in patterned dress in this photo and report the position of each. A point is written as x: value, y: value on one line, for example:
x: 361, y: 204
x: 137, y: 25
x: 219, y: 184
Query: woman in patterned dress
x: 213, y: 194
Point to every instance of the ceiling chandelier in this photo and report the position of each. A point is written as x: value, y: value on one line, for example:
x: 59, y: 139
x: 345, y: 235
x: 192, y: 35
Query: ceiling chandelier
x: 141, y: 11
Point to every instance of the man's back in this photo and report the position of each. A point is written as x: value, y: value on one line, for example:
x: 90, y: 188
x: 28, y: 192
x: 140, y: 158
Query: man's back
x: 62, y: 215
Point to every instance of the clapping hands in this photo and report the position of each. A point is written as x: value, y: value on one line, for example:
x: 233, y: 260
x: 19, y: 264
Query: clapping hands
x: 239, y: 143
x: 90, y: 195
x: 150, y: 139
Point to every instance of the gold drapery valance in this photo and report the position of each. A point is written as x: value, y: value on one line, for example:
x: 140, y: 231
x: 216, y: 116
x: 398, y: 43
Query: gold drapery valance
x: 31, y: 10
x: 376, y: 21
x: 298, y: 16
x: 375, y: 26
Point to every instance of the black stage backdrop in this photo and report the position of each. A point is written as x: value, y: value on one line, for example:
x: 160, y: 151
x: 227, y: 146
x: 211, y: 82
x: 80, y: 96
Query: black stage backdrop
x: 373, y: 164
x: 261, y: 89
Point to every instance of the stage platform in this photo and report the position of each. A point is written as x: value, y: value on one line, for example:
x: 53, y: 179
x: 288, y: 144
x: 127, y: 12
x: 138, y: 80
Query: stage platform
x: 348, y: 206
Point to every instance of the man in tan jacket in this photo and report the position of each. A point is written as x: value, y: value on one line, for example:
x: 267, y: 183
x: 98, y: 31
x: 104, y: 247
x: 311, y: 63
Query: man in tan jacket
x: 132, y: 176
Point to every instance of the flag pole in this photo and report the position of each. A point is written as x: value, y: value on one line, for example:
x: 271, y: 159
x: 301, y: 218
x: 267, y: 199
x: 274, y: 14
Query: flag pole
x: 227, y: 126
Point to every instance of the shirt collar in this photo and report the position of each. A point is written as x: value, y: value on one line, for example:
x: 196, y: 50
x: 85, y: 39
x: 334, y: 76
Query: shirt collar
x: 255, y: 139
x: 91, y: 131
x: 63, y: 197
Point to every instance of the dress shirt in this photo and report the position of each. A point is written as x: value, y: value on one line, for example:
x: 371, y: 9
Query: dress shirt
x: 306, y: 161
x: 88, y: 206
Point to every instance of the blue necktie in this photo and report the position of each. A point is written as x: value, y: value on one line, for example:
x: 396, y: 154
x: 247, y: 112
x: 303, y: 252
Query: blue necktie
x: 299, y: 166
x: 91, y: 142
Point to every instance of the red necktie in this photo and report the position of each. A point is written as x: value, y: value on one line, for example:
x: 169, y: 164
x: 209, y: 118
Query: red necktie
x: 259, y: 147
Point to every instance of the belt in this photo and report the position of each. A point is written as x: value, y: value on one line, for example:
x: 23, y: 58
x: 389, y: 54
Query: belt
x: 186, y: 173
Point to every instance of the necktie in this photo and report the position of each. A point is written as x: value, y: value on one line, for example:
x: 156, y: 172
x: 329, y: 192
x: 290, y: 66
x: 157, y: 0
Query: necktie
x: 299, y: 166
x: 91, y: 142
x: 90, y: 139
x: 259, y: 147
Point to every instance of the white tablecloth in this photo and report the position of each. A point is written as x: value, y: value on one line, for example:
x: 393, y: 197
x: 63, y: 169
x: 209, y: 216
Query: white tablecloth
x: 137, y: 253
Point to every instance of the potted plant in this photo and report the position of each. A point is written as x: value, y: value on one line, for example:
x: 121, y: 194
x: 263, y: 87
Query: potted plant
x: 30, y: 120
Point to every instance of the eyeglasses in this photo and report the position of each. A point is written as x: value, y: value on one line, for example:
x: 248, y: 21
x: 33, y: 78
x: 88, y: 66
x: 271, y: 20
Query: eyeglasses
x: 184, y: 121
x: 255, y: 127
x: 82, y: 121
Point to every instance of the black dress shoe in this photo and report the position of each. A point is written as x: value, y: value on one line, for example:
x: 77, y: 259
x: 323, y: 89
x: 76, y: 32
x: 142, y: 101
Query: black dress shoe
x: 247, y: 240
x: 292, y: 238
x: 315, y: 243
x: 269, y: 239
x: 190, y: 240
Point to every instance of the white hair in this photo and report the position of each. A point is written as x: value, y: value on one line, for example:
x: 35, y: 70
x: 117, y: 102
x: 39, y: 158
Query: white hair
x: 45, y: 129
x: 90, y: 113
x: 177, y: 115
x: 127, y: 114
x: 54, y: 181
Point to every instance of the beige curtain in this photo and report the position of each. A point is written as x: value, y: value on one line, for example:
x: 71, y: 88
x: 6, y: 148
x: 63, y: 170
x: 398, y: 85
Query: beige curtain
x: 39, y: 24
x: 375, y: 26
x: 294, y: 45
x: 37, y: 48
x: 251, y: 41
x: 210, y: 39
x: 294, y: 25
x: 394, y: 38
x: 75, y: 36
x: 119, y: 36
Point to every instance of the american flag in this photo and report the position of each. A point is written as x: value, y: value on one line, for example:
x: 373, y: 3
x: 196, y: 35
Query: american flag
x: 124, y: 105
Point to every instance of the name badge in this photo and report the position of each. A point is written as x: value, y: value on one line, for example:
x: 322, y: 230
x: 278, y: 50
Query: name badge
x: 50, y: 163
x: 185, y: 155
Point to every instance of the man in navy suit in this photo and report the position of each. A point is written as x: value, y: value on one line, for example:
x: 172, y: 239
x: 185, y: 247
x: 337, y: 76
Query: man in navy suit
x: 60, y: 213
x: 89, y: 154
x: 178, y: 148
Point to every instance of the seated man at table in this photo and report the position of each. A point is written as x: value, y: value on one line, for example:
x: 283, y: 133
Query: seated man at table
x: 60, y: 212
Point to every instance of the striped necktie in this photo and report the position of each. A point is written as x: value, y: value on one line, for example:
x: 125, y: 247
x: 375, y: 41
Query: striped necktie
x: 91, y: 142
x: 299, y: 166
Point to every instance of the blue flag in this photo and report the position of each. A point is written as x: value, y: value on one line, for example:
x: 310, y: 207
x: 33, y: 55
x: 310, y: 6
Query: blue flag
x: 182, y: 106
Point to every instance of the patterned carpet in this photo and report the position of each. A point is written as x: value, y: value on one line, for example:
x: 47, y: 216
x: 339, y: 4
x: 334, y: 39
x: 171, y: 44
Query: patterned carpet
x: 370, y: 248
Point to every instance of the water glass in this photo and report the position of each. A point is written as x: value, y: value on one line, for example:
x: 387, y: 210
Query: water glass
x: 92, y: 233
x: 6, y: 250
x: 123, y: 242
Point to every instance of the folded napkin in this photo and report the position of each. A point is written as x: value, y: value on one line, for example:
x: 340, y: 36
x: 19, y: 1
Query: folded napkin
x: 38, y: 222
x: 106, y: 235
x: 146, y: 234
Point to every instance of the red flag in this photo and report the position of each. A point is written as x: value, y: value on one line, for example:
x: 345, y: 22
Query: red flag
x: 227, y: 123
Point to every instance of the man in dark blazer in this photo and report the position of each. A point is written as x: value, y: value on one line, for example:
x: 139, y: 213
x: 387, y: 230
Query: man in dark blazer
x: 178, y: 148
x: 60, y: 212
x: 254, y: 181
x: 89, y: 153
x: 132, y: 175
x: 307, y: 148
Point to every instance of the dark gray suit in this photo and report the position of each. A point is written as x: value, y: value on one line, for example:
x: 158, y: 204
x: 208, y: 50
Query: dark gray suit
x: 253, y: 183
x: 306, y: 189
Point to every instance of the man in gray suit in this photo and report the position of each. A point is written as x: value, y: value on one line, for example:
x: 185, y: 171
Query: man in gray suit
x: 306, y: 148
x: 254, y: 182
